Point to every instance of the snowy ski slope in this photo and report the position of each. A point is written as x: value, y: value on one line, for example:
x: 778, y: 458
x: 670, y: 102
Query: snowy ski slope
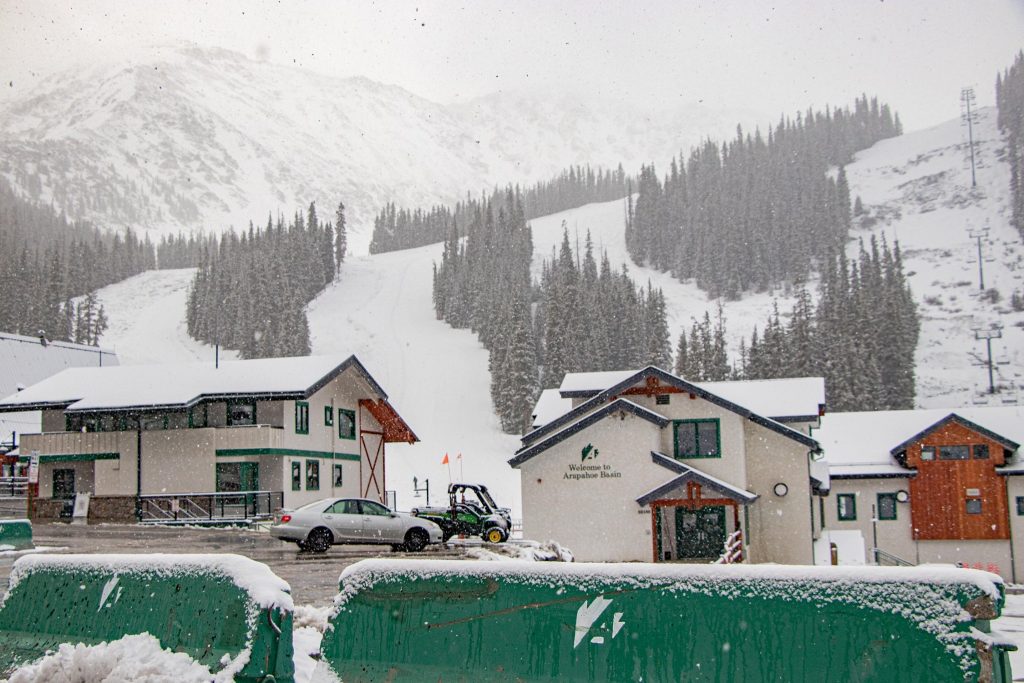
x: 917, y: 188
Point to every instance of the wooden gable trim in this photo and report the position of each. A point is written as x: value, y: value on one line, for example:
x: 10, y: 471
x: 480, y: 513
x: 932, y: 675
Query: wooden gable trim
x: 394, y: 427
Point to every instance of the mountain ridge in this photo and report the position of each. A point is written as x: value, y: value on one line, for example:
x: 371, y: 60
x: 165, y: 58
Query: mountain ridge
x: 188, y: 138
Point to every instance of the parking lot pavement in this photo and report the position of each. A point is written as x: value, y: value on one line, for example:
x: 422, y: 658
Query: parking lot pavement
x: 313, y: 578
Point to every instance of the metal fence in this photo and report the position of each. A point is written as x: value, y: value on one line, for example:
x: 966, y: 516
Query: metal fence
x: 13, y: 487
x: 210, y: 508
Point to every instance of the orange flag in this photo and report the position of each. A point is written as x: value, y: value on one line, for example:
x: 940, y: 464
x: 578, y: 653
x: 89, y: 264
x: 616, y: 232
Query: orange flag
x: 445, y: 461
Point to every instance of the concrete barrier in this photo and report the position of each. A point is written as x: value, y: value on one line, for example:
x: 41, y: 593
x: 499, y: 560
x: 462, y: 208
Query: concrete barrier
x: 491, y: 621
x: 15, y: 534
x: 227, y: 612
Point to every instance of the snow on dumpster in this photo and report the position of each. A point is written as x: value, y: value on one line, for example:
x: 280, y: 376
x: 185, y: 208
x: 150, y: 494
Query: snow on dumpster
x: 498, y: 621
x: 227, y: 612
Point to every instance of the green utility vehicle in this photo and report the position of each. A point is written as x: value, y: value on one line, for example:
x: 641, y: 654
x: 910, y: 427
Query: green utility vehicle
x: 477, y: 515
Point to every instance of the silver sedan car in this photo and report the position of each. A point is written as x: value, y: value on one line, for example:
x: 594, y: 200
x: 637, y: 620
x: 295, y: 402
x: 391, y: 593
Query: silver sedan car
x: 316, y: 526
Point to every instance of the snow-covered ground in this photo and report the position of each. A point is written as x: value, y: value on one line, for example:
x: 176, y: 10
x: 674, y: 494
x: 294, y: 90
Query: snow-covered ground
x: 918, y: 189
x: 146, y: 314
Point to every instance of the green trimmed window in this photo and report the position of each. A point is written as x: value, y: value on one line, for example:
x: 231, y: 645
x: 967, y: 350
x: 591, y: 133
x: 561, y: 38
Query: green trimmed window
x: 698, y: 439
x: 241, y: 413
x: 339, y: 479
x: 296, y: 475
x: 301, y: 417
x: 1020, y: 506
x: 846, y: 507
x: 886, y: 506
x: 312, y: 475
x: 328, y: 416
x: 346, y: 424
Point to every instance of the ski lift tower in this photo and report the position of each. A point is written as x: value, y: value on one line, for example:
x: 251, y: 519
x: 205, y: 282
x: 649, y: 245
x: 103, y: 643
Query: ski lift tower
x: 988, y: 334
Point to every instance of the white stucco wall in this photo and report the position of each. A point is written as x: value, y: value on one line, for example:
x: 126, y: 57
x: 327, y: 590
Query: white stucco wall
x: 596, y: 517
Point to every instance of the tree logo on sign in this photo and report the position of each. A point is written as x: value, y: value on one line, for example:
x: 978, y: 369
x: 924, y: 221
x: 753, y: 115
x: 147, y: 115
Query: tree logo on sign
x: 589, y: 453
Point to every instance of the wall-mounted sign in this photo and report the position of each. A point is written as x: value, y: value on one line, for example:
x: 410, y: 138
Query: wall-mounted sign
x: 586, y: 470
x: 33, y: 468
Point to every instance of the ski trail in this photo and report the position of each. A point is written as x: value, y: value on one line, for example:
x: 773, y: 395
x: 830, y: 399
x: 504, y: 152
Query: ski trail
x: 381, y: 309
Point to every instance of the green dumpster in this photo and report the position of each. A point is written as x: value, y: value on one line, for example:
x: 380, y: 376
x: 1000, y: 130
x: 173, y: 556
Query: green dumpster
x: 492, y: 621
x: 15, y: 534
x: 225, y: 611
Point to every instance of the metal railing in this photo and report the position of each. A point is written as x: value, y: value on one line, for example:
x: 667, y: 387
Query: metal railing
x: 209, y: 508
x: 884, y: 558
x: 13, y: 487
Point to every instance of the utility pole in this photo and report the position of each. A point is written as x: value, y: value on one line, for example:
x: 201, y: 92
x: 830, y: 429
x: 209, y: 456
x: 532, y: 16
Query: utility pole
x: 994, y: 332
x: 966, y: 100
x: 978, y: 234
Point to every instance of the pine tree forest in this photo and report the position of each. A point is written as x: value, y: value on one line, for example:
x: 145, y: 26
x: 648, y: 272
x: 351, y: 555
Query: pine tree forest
x: 1010, y: 104
x: 581, y: 316
x: 860, y: 337
x: 395, y: 228
x: 251, y: 289
x: 753, y: 212
x: 47, y: 261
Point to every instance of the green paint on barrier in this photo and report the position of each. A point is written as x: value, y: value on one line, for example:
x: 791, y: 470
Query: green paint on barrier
x: 15, y: 534
x: 188, y: 608
x: 468, y: 621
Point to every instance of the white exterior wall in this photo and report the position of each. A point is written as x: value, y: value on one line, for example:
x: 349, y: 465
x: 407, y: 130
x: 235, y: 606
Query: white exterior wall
x: 894, y: 536
x: 780, y: 525
x: 597, y: 518
x: 1015, y: 488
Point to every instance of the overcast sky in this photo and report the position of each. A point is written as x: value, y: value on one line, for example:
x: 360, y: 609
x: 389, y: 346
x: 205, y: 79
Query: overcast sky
x: 769, y: 57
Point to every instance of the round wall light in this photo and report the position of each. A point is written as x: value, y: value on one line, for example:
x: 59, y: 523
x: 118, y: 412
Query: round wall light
x: 902, y: 496
x: 780, y: 489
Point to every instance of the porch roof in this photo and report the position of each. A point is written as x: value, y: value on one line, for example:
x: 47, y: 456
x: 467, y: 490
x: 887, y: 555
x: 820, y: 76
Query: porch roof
x: 687, y: 473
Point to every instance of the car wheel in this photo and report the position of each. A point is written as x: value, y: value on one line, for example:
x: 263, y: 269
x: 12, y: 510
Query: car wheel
x: 416, y: 540
x: 495, y: 535
x: 319, y: 540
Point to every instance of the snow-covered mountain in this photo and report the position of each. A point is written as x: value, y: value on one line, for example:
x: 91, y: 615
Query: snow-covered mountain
x: 188, y: 137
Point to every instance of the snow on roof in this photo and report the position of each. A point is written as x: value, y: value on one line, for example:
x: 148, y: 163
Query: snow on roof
x: 774, y: 398
x: 549, y: 406
x: 687, y: 472
x: 860, y: 443
x: 26, y: 360
x: 179, y: 384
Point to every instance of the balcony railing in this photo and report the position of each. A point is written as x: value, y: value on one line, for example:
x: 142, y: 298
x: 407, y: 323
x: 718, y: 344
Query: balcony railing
x: 210, y: 508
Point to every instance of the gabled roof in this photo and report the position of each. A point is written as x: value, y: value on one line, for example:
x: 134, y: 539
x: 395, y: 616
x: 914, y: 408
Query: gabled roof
x: 181, y: 385
x: 953, y: 417
x: 788, y: 399
x: 689, y: 473
x: 863, y: 444
x: 671, y: 380
x: 621, y: 404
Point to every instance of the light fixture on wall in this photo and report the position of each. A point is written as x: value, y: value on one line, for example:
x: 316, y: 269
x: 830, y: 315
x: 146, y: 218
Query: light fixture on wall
x: 780, y: 489
x: 902, y: 496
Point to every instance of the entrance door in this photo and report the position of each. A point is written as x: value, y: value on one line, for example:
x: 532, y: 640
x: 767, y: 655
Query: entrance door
x: 64, y: 489
x: 700, y: 533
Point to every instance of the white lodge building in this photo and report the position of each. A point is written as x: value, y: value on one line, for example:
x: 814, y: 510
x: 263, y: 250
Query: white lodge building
x: 298, y: 428
x: 642, y: 466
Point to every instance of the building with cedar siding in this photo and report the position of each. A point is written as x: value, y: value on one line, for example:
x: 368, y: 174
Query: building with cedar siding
x: 645, y: 466
x: 156, y: 440
x: 926, y: 486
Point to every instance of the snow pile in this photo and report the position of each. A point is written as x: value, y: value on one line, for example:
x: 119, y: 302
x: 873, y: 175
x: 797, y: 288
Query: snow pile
x: 525, y: 551
x: 928, y: 597
x: 307, y: 616
x: 132, y: 659
x: 265, y: 589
